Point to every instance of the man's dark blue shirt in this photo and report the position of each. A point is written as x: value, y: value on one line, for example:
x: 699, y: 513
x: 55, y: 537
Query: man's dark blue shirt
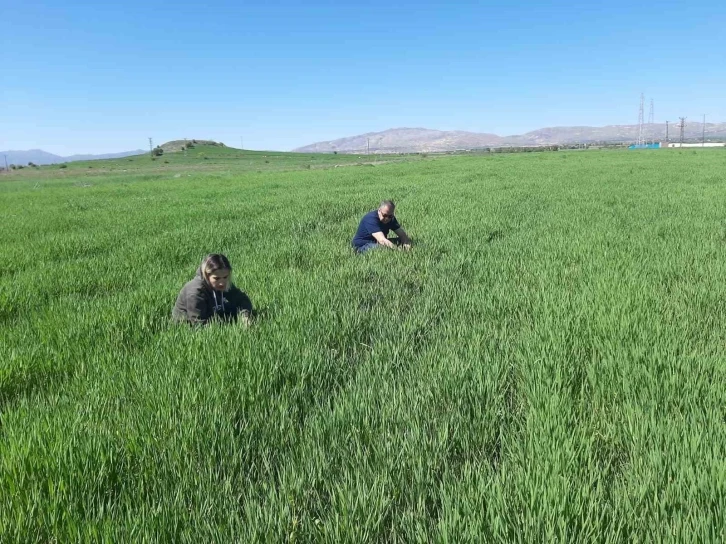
x: 370, y: 224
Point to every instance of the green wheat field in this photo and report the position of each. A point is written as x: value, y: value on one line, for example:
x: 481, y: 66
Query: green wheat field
x: 547, y: 364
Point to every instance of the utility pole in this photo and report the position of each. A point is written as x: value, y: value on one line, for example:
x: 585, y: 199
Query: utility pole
x: 703, y: 137
x: 667, y: 134
x: 683, y: 127
x: 6, y: 164
x: 151, y: 147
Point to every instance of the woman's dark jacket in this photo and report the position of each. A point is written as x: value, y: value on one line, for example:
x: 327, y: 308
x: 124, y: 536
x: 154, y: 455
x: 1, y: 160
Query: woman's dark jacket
x: 198, y: 302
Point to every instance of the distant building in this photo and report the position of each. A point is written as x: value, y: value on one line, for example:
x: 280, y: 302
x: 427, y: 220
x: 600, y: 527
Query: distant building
x: 707, y: 144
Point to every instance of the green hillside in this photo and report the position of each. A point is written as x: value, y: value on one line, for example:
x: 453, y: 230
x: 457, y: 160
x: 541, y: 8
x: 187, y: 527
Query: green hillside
x: 208, y: 158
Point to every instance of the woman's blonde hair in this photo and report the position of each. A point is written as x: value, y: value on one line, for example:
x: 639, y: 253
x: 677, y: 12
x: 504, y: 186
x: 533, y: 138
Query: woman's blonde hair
x: 216, y: 261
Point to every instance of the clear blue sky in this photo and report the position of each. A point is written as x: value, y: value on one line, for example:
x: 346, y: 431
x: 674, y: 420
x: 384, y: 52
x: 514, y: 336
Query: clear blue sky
x: 100, y: 77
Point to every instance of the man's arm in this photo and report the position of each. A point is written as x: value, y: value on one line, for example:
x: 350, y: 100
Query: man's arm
x: 405, y: 240
x: 381, y: 239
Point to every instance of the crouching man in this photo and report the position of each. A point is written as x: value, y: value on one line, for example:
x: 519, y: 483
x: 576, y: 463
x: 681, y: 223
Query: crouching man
x: 374, y: 228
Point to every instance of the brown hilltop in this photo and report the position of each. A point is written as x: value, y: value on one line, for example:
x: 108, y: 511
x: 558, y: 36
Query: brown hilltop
x: 178, y: 145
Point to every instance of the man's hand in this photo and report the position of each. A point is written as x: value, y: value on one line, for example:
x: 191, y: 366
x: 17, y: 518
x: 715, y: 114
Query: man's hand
x: 387, y: 243
x: 382, y: 240
x: 403, y: 238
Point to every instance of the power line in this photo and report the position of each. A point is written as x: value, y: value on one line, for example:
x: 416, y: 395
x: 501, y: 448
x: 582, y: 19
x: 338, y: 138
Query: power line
x: 683, y: 127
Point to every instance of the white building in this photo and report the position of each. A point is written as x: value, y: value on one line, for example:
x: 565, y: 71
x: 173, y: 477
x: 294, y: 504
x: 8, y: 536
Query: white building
x: 707, y: 144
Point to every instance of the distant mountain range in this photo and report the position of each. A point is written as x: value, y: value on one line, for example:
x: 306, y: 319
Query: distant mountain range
x: 40, y: 157
x: 418, y: 140
x: 411, y: 140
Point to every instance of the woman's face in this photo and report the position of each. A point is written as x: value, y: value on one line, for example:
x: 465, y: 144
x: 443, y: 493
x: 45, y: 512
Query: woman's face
x: 219, y: 279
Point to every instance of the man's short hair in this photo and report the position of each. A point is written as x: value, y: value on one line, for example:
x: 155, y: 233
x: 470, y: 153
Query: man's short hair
x: 387, y: 204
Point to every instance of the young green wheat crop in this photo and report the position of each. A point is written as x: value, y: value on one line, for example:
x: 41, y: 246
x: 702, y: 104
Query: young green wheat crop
x: 547, y: 364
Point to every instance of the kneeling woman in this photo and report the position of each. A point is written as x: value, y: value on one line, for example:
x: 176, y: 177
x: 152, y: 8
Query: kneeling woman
x: 212, y: 294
